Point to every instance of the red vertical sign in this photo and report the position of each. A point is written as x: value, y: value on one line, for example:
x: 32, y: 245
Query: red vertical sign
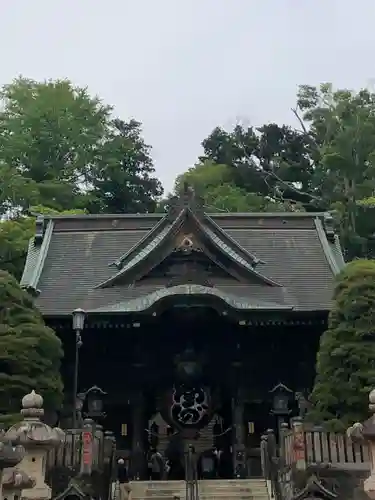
x: 87, y: 447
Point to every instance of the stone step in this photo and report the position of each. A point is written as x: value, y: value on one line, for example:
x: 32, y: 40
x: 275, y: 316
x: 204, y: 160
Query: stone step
x: 215, y: 494
x: 231, y: 482
x: 250, y: 494
x: 235, y: 492
x: 229, y: 496
x: 220, y: 489
x: 181, y: 496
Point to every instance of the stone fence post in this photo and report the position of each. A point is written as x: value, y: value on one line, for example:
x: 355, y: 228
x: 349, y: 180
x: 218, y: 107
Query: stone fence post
x: 366, y: 431
x: 299, y: 448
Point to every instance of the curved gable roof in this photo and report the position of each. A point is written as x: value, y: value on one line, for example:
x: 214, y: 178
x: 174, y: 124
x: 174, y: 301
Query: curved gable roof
x: 64, y: 265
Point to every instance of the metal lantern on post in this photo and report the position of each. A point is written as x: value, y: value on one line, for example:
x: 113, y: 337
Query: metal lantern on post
x: 78, y: 316
x: 94, y: 398
x: 78, y: 323
x: 281, y: 396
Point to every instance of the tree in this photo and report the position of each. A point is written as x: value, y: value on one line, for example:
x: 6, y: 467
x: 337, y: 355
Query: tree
x: 214, y: 184
x: 50, y: 133
x: 30, y: 352
x: 345, y: 361
x: 270, y: 161
x: 123, y: 179
x: 15, y: 234
x: 61, y: 148
x: 14, y: 239
x: 341, y: 124
x: 328, y: 164
x: 16, y: 191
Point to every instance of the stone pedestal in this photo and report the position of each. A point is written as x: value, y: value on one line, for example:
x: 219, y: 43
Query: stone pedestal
x: 36, y: 438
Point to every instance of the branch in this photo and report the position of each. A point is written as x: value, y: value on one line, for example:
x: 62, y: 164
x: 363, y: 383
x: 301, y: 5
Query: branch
x: 293, y: 188
x: 303, y: 126
x: 218, y: 209
x: 286, y: 184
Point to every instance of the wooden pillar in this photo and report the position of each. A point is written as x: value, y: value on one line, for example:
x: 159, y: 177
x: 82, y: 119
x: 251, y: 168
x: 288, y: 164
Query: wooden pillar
x: 138, y: 458
x: 239, y: 447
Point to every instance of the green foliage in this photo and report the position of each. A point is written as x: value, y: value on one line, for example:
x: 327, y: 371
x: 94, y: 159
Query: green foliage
x: 345, y: 361
x: 342, y: 126
x: 122, y: 178
x: 213, y: 182
x: 271, y: 161
x: 50, y: 133
x: 62, y: 149
x: 30, y: 352
x: 328, y: 164
x: 14, y: 239
x: 15, y: 235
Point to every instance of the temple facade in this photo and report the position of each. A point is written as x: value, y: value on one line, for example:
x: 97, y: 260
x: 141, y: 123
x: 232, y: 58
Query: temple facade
x: 192, y: 319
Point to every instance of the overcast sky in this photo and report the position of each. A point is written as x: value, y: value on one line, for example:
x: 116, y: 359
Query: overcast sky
x: 182, y: 68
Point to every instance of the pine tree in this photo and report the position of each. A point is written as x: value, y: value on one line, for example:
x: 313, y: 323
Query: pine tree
x: 30, y: 352
x: 346, y: 357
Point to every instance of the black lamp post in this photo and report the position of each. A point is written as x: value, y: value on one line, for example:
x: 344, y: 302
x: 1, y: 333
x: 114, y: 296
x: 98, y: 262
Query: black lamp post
x: 78, y: 322
x: 281, y: 396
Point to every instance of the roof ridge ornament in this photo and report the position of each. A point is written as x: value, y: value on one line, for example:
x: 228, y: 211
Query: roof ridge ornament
x: 40, y: 228
x: 315, y: 488
x: 186, y: 199
x: 329, y: 228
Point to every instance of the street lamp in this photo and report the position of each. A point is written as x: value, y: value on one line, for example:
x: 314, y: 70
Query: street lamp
x: 78, y: 322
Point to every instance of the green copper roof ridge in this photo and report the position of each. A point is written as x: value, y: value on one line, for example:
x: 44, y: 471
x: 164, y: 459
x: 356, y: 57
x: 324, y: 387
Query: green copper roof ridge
x: 122, y: 271
x: 340, y: 257
x: 250, y: 269
x: 217, y: 228
x: 37, y: 271
x: 219, y: 215
x: 332, y: 262
x: 239, y: 303
x: 119, y: 262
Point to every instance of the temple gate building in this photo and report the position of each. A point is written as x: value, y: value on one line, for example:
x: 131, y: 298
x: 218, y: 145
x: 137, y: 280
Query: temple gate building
x: 191, y: 319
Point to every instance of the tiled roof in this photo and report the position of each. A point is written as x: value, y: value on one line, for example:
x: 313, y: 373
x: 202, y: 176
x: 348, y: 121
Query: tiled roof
x: 77, y: 252
x: 163, y: 233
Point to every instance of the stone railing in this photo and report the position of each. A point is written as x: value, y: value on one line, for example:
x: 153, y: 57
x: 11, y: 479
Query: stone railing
x: 88, y: 452
x: 301, y: 448
x: 327, y: 465
x: 37, y: 461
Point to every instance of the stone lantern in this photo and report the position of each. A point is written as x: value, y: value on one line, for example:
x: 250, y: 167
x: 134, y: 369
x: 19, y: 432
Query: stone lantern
x: 37, y: 438
x: 366, y: 431
x: 9, y: 457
